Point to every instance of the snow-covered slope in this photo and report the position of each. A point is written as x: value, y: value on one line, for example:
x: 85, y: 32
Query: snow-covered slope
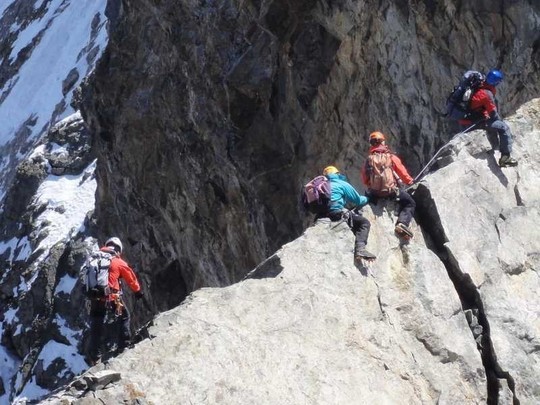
x: 52, y: 46
x: 47, y: 187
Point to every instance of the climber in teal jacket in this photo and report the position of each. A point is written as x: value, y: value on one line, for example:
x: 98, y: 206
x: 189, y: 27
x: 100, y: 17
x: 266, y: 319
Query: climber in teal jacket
x: 343, y: 193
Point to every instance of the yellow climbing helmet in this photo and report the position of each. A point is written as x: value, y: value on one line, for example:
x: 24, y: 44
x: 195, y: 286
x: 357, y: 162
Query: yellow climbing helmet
x: 330, y: 170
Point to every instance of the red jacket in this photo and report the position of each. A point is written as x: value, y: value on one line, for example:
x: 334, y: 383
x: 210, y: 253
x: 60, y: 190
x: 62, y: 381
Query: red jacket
x: 397, y: 166
x: 120, y: 269
x: 482, y: 103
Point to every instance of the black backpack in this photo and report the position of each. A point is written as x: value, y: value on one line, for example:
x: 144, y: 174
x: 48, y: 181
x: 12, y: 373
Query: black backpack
x: 457, y: 103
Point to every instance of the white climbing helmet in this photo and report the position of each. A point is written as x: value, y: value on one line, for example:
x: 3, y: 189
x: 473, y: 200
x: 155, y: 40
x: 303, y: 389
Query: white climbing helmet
x: 115, y: 242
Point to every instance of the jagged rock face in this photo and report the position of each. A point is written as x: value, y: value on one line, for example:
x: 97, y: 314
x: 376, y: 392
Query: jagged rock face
x: 45, y: 244
x: 210, y: 117
x: 451, y: 317
x: 310, y: 327
x: 47, y: 47
x: 487, y: 223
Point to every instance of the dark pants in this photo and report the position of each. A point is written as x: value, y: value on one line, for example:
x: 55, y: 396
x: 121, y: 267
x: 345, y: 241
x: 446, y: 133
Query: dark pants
x: 406, y: 208
x: 498, y: 133
x: 358, y: 224
x: 119, y: 332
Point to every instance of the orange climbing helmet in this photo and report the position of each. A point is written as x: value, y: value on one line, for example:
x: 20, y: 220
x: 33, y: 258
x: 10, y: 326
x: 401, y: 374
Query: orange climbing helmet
x: 376, y: 137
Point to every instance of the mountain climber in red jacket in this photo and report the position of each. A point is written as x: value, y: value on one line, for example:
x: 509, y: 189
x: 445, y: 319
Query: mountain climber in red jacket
x: 384, y: 175
x: 483, y: 106
x: 112, y: 303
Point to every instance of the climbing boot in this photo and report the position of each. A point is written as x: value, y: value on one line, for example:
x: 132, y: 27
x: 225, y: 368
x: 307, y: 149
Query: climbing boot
x: 507, y: 161
x: 363, y: 254
x: 403, y: 231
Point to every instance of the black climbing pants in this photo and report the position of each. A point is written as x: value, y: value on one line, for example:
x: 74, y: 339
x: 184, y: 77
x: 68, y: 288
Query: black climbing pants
x: 357, y: 222
x: 119, y: 332
x: 406, y: 208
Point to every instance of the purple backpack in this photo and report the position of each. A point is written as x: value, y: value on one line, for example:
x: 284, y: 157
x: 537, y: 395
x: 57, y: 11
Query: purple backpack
x: 316, y: 195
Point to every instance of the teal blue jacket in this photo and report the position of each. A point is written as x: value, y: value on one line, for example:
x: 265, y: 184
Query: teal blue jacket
x: 343, y: 193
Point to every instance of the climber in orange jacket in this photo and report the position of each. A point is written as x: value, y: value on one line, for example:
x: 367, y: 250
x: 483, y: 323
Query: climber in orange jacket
x: 385, y: 177
x: 119, y: 269
x: 112, y: 303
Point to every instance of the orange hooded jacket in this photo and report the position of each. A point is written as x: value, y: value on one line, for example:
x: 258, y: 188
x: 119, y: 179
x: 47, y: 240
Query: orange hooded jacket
x: 120, y: 269
x: 397, y: 166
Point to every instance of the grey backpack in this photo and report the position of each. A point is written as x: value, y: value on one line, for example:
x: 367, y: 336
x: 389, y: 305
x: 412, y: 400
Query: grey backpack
x: 97, y: 274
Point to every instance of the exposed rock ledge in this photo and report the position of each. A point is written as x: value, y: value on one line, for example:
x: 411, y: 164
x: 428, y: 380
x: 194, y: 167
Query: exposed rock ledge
x: 307, y: 326
x: 320, y: 331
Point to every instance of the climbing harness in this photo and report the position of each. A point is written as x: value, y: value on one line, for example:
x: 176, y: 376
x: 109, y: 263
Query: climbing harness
x: 118, y: 305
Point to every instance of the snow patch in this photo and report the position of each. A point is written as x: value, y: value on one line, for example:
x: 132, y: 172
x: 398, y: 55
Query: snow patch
x: 53, y: 350
x: 10, y: 316
x: 38, y: 4
x: 65, y: 285
x: 8, y: 367
x: 68, y: 199
x: 58, y: 150
x: 19, y: 249
x: 72, y: 335
x: 37, y: 88
x: 3, y: 6
x: 10, y: 244
x: 76, y: 116
x: 26, y: 36
x: 24, y: 252
x: 37, y: 152
x: 30, y: 392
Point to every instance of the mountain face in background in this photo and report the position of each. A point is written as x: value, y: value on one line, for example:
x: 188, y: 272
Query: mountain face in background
x: 206, y: 118
x: 47, y: 184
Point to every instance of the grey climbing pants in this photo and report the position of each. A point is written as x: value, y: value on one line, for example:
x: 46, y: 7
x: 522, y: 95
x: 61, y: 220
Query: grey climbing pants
x: 498, y: 133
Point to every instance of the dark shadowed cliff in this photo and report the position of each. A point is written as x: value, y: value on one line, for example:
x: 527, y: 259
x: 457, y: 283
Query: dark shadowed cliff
x: 209, y: 116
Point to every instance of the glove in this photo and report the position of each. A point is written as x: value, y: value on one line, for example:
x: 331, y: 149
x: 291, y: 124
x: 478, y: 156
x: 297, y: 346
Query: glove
x: 139, y: 294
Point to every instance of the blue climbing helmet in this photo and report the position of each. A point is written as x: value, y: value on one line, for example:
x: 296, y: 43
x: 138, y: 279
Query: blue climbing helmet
x: 494, y: 77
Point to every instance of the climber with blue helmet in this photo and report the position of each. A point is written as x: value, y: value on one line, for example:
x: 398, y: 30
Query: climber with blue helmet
x: 494, y: 77
x: 484, y: 109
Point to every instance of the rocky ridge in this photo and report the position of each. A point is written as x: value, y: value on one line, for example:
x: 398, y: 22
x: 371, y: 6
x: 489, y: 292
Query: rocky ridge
x: 451, y: 317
